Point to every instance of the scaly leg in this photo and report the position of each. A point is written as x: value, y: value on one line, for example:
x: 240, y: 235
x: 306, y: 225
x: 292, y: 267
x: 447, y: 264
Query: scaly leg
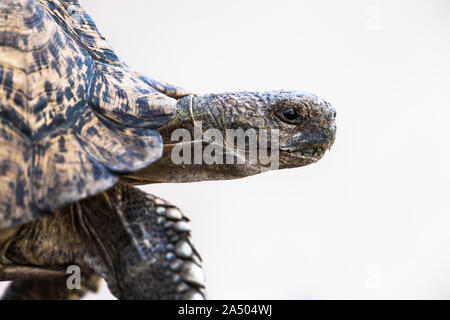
x: 139, y: 243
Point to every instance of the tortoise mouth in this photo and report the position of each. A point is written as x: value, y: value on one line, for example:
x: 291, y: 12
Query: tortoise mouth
x: 313, y: 151
x: 307, y: 151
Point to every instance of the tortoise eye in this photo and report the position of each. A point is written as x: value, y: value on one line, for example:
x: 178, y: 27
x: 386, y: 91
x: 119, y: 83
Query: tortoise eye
x: 289, y: 115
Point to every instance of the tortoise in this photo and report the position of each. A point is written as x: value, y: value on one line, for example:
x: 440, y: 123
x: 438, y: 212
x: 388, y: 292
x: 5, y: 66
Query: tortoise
x: 79, y: 130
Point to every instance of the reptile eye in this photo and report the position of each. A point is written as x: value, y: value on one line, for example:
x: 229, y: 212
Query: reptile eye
x: 289, y: 115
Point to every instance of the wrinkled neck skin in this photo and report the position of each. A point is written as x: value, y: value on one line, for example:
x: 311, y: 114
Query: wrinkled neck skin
x: 202, y: 123
x: 190, y: 109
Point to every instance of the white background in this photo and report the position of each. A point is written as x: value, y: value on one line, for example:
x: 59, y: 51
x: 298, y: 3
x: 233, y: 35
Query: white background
x: 371, y: 219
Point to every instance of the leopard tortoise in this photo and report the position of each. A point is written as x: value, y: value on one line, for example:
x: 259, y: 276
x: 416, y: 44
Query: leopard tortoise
x: 78, y: 131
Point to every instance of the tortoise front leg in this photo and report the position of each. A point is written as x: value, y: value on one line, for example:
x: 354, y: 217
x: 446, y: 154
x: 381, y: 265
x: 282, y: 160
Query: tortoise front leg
x: 145, y: 244
x: 139, y: 243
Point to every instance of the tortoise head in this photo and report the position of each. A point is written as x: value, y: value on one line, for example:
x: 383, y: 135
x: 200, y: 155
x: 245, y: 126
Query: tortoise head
x: 306, y: 124
x: 232, y: 135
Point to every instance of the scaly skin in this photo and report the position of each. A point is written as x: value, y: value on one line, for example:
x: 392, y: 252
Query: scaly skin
x: 138, y: 243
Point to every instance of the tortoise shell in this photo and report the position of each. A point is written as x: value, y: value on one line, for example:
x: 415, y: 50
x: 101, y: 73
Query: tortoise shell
x: 73, y: 117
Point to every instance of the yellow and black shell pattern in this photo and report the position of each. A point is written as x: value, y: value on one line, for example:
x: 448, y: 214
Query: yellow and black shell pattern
x: 73, y: 117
